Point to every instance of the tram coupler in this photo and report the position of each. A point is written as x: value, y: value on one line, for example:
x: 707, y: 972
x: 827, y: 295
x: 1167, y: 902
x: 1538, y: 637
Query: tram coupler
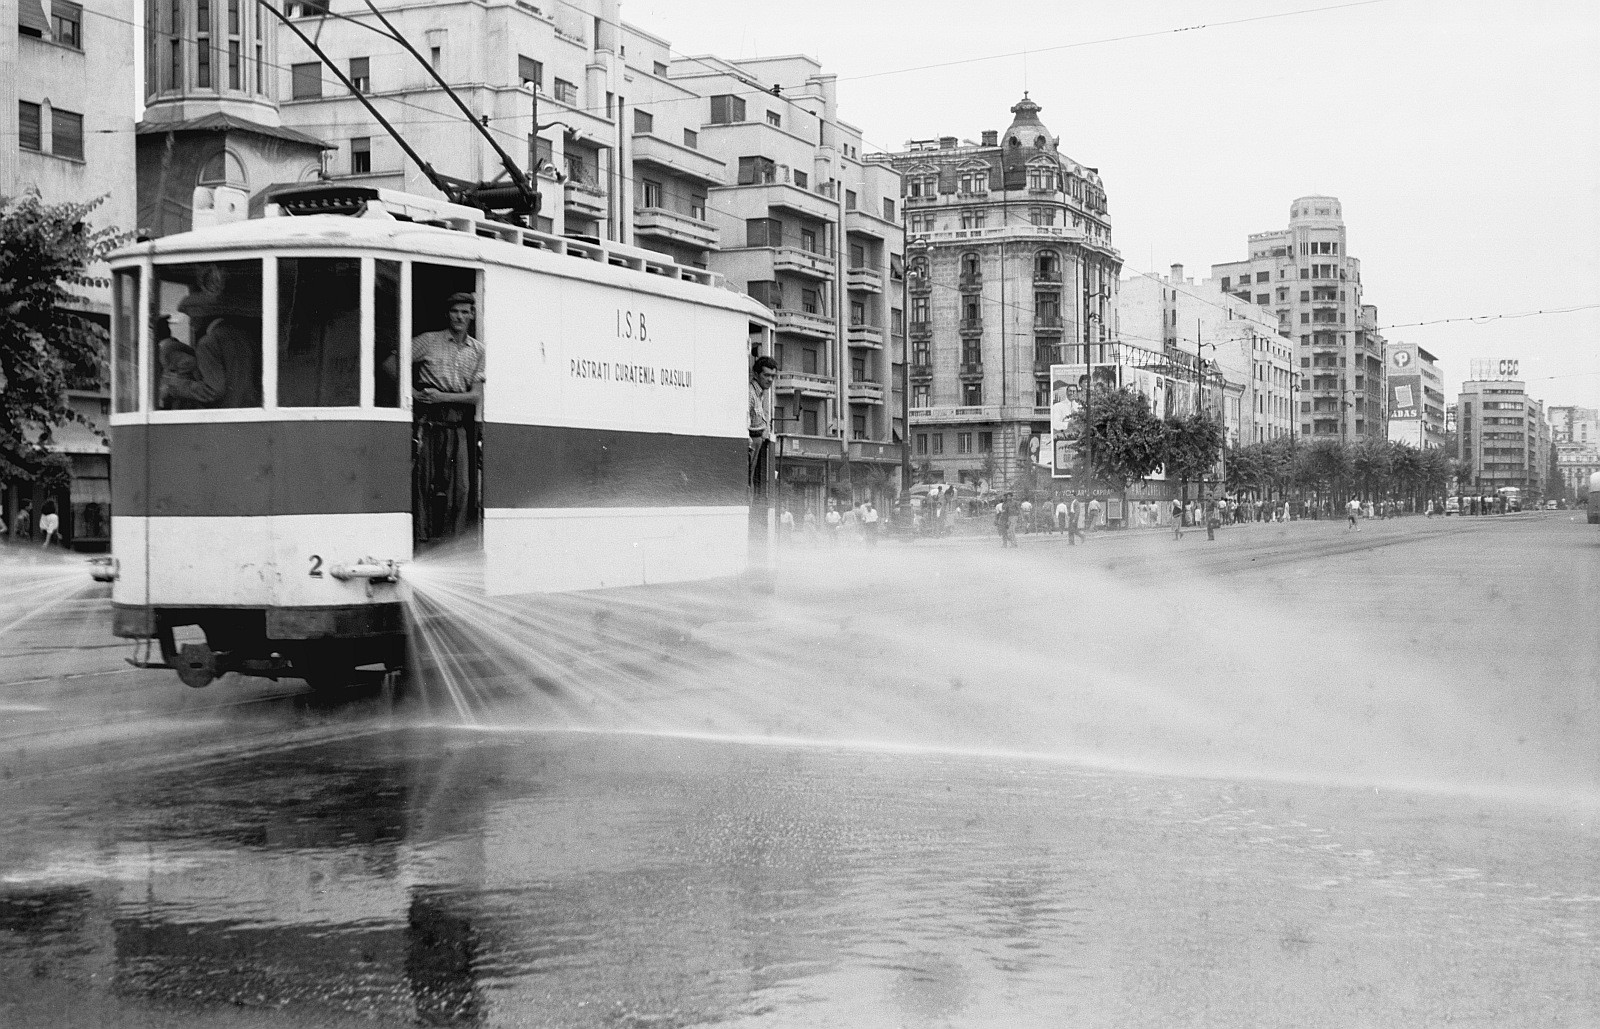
x: 104, y: 569
x: 368, y: 568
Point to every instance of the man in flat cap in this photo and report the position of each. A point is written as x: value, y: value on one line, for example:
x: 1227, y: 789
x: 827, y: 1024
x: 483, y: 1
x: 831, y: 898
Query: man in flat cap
x: 447, y: 391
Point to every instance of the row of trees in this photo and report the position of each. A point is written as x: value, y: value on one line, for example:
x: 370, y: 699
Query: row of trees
x: 1122, y: 441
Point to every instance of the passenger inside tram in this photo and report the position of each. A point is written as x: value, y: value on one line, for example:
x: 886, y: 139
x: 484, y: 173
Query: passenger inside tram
x: 213, y: 309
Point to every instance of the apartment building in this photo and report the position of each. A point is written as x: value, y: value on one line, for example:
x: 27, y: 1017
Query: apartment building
x: 1185, y: 321
x: 66, y: 130
x: 1010, y: 269
x: 743, y: 167
x: 1416, y: 396
x: 1575, y: 435
x: 1502, y: 436
x: 1306, y: 276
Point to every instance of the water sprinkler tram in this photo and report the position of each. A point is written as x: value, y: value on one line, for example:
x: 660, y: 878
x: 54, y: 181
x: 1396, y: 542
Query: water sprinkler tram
x: 281, y: 454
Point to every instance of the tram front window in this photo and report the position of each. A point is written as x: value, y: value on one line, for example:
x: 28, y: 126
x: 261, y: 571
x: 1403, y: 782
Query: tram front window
x: 125, y: 340
x: 319, y: 332
x: 206, y: 333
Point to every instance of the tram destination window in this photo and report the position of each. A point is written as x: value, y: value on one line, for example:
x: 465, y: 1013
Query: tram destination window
x: 319, y: 332
x: 206, y: 335
x: 386, y: 335
x: 125, y: 340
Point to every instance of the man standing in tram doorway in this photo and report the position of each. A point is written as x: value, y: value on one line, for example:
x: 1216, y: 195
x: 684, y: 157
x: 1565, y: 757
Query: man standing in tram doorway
x: 447, y: 390
x: 763, y: 371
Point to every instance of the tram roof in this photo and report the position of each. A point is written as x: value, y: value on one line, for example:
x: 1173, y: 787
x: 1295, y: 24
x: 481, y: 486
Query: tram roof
x: 452, y: 236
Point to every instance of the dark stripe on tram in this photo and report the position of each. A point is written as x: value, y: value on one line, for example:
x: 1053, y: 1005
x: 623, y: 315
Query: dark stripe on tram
x: 233, y: 469
x: 534, y: 466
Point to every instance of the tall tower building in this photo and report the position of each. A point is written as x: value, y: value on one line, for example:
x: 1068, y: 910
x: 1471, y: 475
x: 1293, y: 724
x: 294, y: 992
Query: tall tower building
x: 211, y: 135
x: 1306, y: 276
x: 1010, y: 269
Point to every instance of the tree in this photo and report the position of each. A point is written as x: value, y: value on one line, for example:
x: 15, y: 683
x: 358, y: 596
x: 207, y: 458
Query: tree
x: 1119, y: 438
x: 1191, y: 445
x: 1322, y: 466
x: 1405, y: 468
x: 1370, y: 461
x: 924, y: 472
x: 46, y: 346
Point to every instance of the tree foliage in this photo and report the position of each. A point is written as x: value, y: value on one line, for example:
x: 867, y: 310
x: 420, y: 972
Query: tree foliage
x: 46, y: 345
x: 1192, y: 445
x: 1118, y: 436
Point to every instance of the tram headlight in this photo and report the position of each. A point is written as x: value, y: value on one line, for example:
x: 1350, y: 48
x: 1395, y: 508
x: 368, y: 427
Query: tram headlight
x: 104, y: 569
x: 369, y: 568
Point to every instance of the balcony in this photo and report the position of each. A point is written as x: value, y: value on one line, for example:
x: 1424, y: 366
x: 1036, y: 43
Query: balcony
x: 807, y: 384
x: 688, y: 163
x: 781, y: 196
x: 971, y: 369
x: 971, y: 326
x: 584, y: 200
x: 922, y: 369
x: 802, y: 262
x: 1044, y: 357
x: 866, y: 393
x: 1047, y: 276
x: 660, y: 223
x: 865, y: 280
x: 863, y: 223
x: 921, y: 328
x: 802, y: 323
x: 869, y: 450
x: 1049, y: 324
x: 970, y: 281
x: 867, y: 336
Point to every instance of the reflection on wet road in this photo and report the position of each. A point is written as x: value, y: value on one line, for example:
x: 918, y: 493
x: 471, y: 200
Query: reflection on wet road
x: 459, y: 877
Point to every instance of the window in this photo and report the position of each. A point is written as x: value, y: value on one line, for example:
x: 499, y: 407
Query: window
x: 30, y: 131
x: 66, y: 134
x: 691, y: 139
x: 808, y: 360
x: 1305, y: 273
x: 774, y: 119
x: 975, y: 180
x: 808, y: 421
x: 185, y: 299
x: 1263, y: 299
x: 763, y: 232
x: 435, y: 57
x: 727, y: 109
x: 319, y: 331
x: 1042, y: 215
x: 858, y: 426
x: 643, y: 121
x: 1225, y: 284
x: 922, y: 437
x: 66, y: 24
x: 808, y: 240
x: 888, y: 209
x: 235, y: 65
x: 858, y: 368
x: 963, y: 442
x: 919, y: 398
x: 1305, y: 296
x: 938, y: 443
x: 566, y: 92
x: 972, y: 219
x: 1263, y: 276
x: 307, y: 80
x: 858, y: 313
x: 652, y: 193
x: 800, y: 178
x: 360, y: 155
x: 858, y: 255
x: 361, y: 74
x: 811, y: 301
x: 1041, y: 179
x: 849, y: 200
x: 658, y: 69
x: 985, y: 442
x: 972, y: 394
x: 530, y: 72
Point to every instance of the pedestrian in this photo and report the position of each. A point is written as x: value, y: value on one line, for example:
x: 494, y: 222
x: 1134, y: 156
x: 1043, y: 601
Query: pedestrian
x: 1002, y: 521
x: 1353, y: 511
x: 1061, y: 518
x: 49, y: 523
x: 808, y: 525
x: 1214, y: 519
x: 834, y: 521
x: 1076, y: 514
x: 786, y: 524
x: 1177, y: 519
x: 24, y: 526
x: 1027, y: 515
x: 869, y: 524
x: 1094, y: 514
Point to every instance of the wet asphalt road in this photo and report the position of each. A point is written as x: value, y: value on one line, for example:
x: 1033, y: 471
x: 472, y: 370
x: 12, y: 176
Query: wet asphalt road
x: 1297, y: 777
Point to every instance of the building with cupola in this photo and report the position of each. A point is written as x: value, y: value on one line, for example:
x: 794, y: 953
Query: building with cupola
x: 1009, y: 269
x: 212, y: 136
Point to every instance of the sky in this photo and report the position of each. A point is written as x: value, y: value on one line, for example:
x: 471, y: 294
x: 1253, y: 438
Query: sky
x: 1462, y: 137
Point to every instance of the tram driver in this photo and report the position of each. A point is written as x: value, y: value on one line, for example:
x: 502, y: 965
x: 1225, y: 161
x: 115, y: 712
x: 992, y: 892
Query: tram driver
x: 447, y: 388
x: 225, y: 370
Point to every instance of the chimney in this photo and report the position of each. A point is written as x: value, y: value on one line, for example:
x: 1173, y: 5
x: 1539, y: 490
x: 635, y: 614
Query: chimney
x: 1177, y: 275
x: 991, y: 137
x: 947, y: 142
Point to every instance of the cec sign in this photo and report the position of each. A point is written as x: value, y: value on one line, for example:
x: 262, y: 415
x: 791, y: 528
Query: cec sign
x: 1505, y: 368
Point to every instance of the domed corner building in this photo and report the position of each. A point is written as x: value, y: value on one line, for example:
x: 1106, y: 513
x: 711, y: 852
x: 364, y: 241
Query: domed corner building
x: 1009, y: 269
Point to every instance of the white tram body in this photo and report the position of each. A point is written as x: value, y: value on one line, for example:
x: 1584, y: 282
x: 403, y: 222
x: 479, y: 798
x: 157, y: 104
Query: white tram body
x: 1594, y: 498
x: 614, y: 443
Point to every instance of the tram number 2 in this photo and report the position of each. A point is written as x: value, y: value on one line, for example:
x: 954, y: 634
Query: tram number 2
x: 630, y: 325
x: 316, y: 566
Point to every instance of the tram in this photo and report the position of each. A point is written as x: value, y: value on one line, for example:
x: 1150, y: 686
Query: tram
x: 270, y: 483
x: 1594, y: 498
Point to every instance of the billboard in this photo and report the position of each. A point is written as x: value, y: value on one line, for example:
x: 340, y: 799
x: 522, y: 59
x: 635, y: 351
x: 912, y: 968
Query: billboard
x: 1405, y: 395
x: 1069, y: 385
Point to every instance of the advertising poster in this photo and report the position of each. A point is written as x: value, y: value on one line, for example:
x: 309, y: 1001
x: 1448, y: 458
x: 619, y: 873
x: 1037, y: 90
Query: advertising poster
x: 1069, y: 384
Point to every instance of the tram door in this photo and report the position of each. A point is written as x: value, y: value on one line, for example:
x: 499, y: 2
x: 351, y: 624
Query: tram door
x: 447, y: 438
